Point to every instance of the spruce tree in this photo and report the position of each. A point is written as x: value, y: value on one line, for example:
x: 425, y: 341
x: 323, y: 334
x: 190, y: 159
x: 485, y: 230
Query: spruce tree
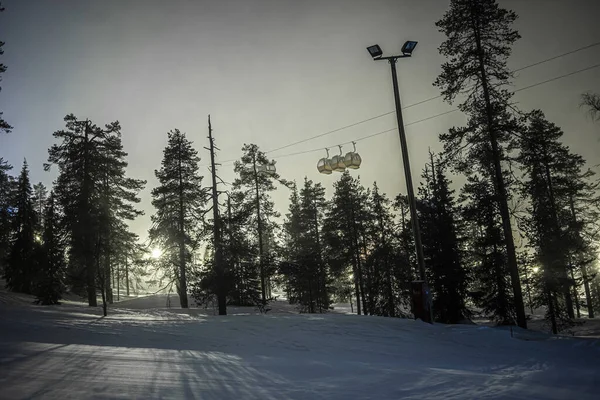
x: 254, y: 184
x: 486, y: 254
x: 554, y: 184
x: 479, y: 39
x: 180, y: 203
x: 242, y: 271
x: 80, y: 161
x: 312, y: 202
x: 441, y: 245
x: 304, y: 269
x: 50, y: 278
x: 342, y: 234
x: 118, y: 195
x: 583, y: 214
x: 4, y: 126
x: 290, y: 269
x: 21, y: 268
x: 383, y: 255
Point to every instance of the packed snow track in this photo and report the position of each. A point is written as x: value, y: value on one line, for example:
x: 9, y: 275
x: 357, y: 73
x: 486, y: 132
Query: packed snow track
x: 70, y: 352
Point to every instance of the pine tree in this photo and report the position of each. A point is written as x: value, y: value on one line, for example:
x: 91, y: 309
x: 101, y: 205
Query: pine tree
x: 342, y: 234
x: 441, y: 245
x: 21, y: 268
x: 242, y: 271
x: 4, y: 126
x: 80, y: 161
x: 383, y: 256
x: 50, y: 278
x: 553, y: 182
x: 583, y: 214
x: 312, y: 201
x: 118, y: 195
x: 486, y: 253
x: 180, y: 204
x: 290, y: 269
x: 479, y: 39
x: 304, y: 269
x: 254, y: 184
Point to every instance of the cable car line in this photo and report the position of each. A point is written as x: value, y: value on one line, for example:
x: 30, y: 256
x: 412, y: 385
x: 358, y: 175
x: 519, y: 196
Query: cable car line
x: 427, y: 100
x: 436, y: 115
x: 424, y: 101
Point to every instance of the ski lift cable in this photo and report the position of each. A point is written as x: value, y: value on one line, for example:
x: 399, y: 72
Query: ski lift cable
x: 433, y: 98
x: 427, y: 100
x: 436, y: 115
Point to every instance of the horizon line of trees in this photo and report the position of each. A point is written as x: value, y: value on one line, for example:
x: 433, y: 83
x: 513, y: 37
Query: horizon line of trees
x: 521, y: 233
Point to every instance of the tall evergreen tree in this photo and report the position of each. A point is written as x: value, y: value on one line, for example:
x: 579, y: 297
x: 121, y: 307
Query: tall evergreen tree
x: 21, y: 268
x: 4, y: 126
x: 383, y: 255
x: 254, y: 185
x: 180, y: 204
x: 50, y: 278
x: 479, y: 39
x: 118, y: 195
x: 553, y: 183
x: 239, y: 252
x: 441, y: 245
x: 81, y: 163
x: 304, y: 269
x: 342, y: 234
x: 486, y: 253
x: 293, y: 229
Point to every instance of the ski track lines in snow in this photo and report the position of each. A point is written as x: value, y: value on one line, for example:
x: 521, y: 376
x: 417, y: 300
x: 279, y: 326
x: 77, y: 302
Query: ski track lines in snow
x: 70, y: 352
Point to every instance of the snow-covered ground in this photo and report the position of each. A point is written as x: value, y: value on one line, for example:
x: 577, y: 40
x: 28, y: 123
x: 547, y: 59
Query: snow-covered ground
x: 70, y: 352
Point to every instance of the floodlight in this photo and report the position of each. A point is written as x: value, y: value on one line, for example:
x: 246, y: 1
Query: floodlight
x: 375, y: 51
x: 408, y: 47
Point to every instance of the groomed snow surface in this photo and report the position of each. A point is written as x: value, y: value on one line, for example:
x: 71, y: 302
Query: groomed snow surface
x: 71, y: 352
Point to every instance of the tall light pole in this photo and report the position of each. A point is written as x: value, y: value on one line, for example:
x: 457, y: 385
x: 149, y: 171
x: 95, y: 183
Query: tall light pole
x: 407, y: 50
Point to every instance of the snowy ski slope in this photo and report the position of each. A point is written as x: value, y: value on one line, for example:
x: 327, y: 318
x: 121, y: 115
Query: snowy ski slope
x: 70, y: 352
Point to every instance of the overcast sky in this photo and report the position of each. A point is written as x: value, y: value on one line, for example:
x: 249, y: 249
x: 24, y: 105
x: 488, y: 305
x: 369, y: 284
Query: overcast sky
x: 270, y: 72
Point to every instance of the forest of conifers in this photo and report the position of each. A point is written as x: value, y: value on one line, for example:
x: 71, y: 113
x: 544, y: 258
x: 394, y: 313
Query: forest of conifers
x: 520, y: 235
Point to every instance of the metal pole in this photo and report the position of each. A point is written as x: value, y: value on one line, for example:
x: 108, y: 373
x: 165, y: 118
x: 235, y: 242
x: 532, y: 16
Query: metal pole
x: 409, y: 185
